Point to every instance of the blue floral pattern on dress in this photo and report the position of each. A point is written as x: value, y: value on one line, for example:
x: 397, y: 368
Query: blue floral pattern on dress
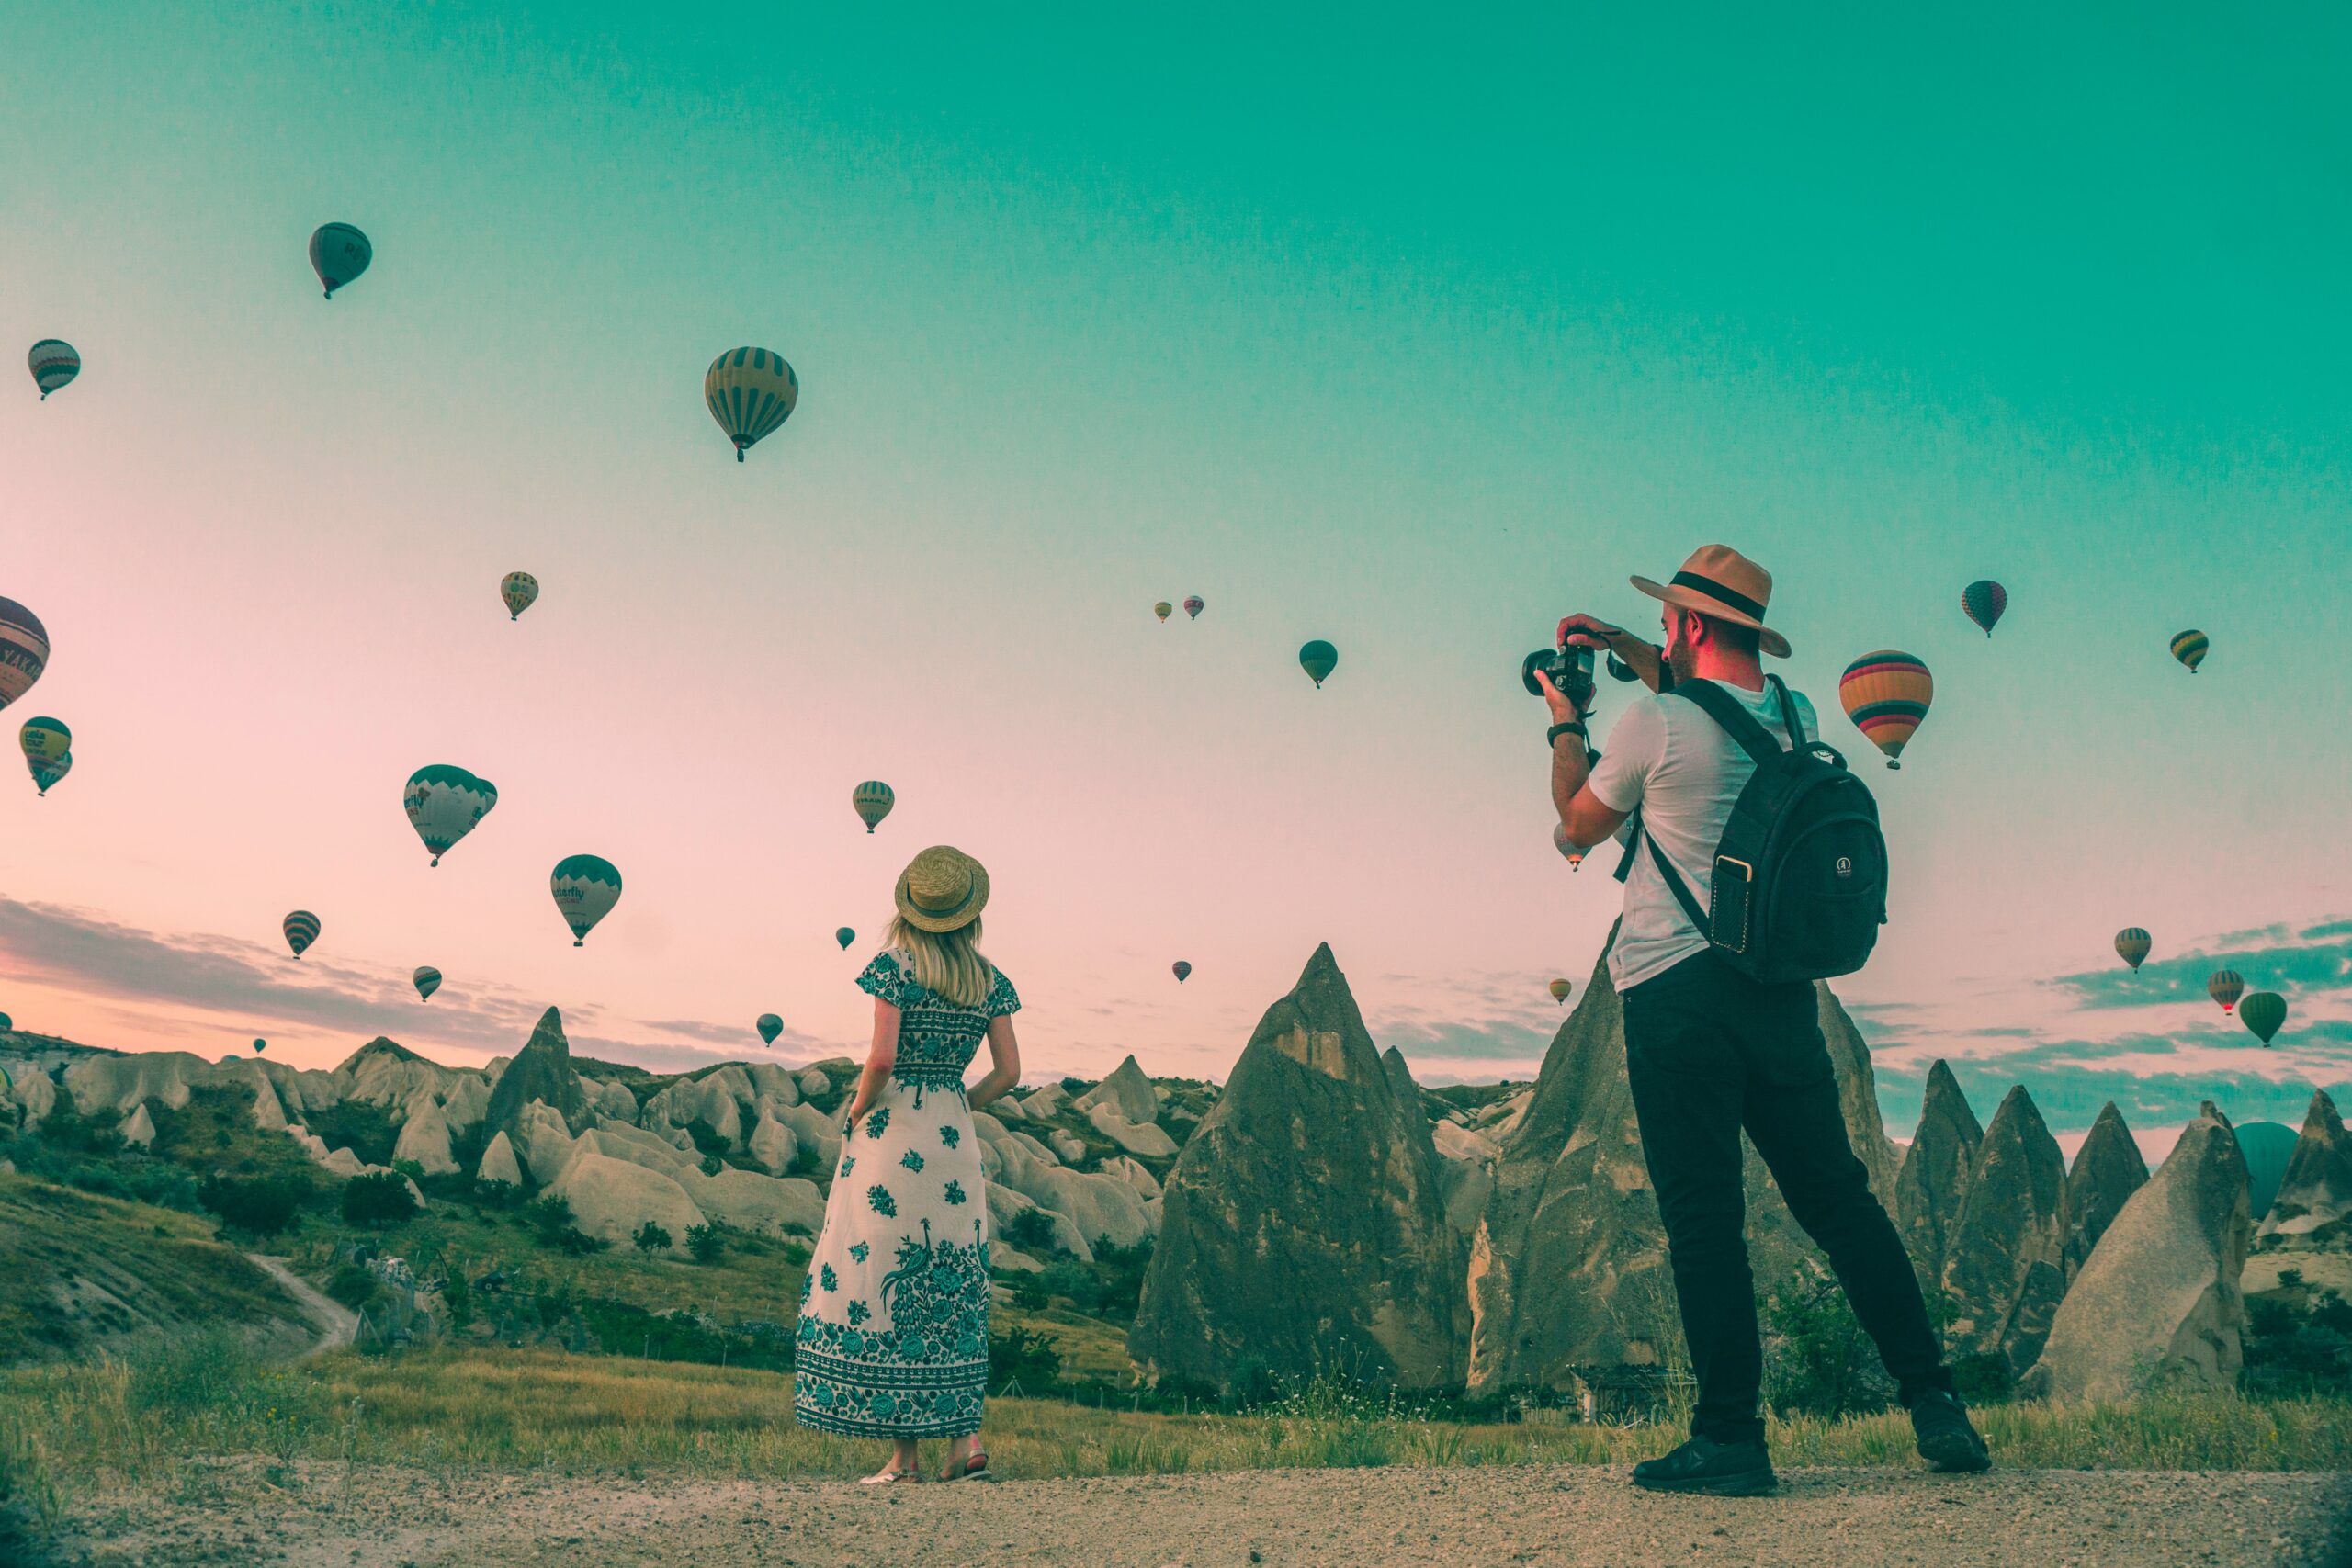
x: 949, y: 1135
x: 954, y: 1193
x: 879, y: 1122
x: 878, y: 1196
x: 911, y: 1160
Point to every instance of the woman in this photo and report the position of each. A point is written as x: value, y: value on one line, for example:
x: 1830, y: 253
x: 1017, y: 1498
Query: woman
x: 893, y: 1339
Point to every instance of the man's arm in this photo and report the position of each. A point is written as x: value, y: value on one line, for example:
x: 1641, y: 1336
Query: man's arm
x: 1643, y: 658
x: 1585, y: 819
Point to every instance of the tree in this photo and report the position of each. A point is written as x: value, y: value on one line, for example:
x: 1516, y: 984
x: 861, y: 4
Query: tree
x: 263, y: 1205
x: 378, y: 1198
x: 708, y: 1243
x: 650, y: 1237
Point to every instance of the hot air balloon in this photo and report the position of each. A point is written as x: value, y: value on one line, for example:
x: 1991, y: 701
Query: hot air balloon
x: 7, y: 1024
x: 2131, y: 945
x: 769, y: 1026
x: 444, y: 802
x: 259, y: 1046
x: 1318, y: 658
x: 1983, y: 601
x: 1886, y: 694
x: 1559, y: 990
x: 46, y: 773
x: 2190, y: 649
x: 845, y: 936
x: 24, y: 650
x: 339, y: 253
x: 520, y: 590
x: 428, y: 980
x: 2225, y: 986
x: 2263, y: 1012
x: 1570, y: 851
x: 585, y: 888
x: 54, y: 365
x: 872, y: 800
x: 1163, y: 610
x: 750, y: 393
x: 1194, y: 606
x: 48, y: 747
x: 301, y: 929
x: 1181, y: 970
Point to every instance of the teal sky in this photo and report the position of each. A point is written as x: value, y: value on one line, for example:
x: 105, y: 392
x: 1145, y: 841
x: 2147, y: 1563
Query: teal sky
x: 1409, y: 332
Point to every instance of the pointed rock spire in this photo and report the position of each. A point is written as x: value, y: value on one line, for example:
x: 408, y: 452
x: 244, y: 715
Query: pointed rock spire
x: 1933, y: 1182
x: 1303, y: 1226
x: 543, y: 1071
x: 2108, y: 1170
x: 2158, y: 1301
x: 2313, y: 1210
x: 2005, y: 1263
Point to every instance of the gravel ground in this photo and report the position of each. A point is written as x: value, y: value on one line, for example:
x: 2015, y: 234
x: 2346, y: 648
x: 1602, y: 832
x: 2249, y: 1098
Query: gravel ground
x: 1411, y: 1518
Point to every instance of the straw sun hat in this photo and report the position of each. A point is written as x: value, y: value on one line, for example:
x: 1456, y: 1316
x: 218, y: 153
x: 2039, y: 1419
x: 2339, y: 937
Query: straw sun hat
x: 1717, y: 580
x: 942, y: 889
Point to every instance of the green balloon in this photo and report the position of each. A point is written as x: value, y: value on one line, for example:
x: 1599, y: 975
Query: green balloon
x: 1318, y: 658
x: 2263, y: 1012
x: 7, y: 1024
x: 770, y: 1026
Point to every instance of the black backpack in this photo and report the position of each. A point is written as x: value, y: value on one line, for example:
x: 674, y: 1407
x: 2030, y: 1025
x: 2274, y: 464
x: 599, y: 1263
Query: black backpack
x: 1799, y: 883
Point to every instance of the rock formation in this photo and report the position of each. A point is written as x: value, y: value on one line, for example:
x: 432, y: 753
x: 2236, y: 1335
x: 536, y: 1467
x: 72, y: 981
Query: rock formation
x: 542, y: 1072
x: 2005, y: 1262
x: 1127, y: 1092
x: 2313, y: 1210
x: 2107, y: 1169
x: 499, y: 1163
x: 2156, y: 1304
x: 1303, y: 1224
x: 424, y: 1138
x: 1142, y: 1138
x: 1567, y: 1268
x: 139, y: 1130
x: 611, y: 1198
x: 1933, y: 1181
x: 772, y: 1144
x: 1400, y: 1078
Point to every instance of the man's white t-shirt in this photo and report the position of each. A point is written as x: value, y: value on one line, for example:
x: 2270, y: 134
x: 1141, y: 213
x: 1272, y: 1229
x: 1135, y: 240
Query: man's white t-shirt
x: 1685, y: 771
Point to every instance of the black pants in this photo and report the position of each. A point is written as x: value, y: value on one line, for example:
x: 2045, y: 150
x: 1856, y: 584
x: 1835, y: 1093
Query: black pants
x: 1710, y: 1052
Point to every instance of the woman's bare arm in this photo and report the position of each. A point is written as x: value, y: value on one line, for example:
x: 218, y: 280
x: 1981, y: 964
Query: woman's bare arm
x: 880, y: 1057
x: 1006, y: 1051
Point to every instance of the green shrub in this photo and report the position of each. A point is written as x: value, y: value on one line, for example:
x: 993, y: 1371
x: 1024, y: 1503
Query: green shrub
x: 1031, y: 1231
x: 413, y: 1169
x: 708, y: 1243
x: 549, y: 1217
x: 2293, y: 1349
x: 378, y: 1198
x: 650, y: 1237
x: 352, y: 1286
x: 706, y: 1139
x: 365, y: 1130
x: 65, y: 1127
x: 458, y: 1299
x: 261, y: 1205
x: 495, y: 1193
x: 1025, y: 1354
x: 1817, y: 1361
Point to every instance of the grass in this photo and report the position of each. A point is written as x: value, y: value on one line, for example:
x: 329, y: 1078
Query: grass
x: 67, y: 1430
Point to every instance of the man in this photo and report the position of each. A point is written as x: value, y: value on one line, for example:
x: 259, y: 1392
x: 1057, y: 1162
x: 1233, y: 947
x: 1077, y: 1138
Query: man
x: 1710, y: 1050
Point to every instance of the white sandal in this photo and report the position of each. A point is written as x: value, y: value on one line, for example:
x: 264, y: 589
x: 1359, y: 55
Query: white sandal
x: 888, y: 1476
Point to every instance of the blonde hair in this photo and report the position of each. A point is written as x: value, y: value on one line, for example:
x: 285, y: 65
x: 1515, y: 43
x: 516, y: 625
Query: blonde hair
x: 948, y: 963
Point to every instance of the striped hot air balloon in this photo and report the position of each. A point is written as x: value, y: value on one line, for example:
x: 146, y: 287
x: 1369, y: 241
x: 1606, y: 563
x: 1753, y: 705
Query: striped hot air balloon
x: 2131, y: 945
x: 444, y: 802
x: 428, y: 980
x: 2189, y: 648
x: 769, y: 1026
x: 845, y: 936
x: 54, y: 362
x: 1570, y: 851
x: 1318, y: 658
x: 751, y: 391
x: 1163, y: 610
x: 301, y: 929
x: 521, y: 590
x: 1983, y: 601
x: 872, y: 800
x: 1560, y: 989
x: 48, y: 771
x: 2263, y: 1012
x: 339, y: 253
x: 24, y: 650
x: 1181, y: 970
x: 1887, y: 694
x: 1194, y: 606
x: 585, y: 888
x: 2225, y: 986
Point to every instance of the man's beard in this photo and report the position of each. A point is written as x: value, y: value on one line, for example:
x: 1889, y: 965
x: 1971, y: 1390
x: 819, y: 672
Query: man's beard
x: 1684, y: 659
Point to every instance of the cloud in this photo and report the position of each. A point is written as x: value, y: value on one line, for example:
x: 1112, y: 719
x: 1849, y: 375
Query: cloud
x: 2317, y: 961
x: 789, y: 1041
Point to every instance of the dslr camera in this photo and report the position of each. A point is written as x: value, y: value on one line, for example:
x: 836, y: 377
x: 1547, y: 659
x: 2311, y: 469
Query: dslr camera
x: 1571, y: 669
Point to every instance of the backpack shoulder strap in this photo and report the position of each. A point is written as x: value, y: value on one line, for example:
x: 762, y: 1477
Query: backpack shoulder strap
x: 1666, y: 874
x: 1737, y: 722
x: 1789, y: 720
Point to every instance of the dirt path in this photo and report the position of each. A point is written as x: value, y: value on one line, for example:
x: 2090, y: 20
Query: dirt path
x: 337, y: 1322
x: 1565, y: 1516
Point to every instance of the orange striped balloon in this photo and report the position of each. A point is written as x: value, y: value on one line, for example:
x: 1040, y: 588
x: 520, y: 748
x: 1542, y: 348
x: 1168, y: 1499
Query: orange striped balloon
x: 1886, y: 694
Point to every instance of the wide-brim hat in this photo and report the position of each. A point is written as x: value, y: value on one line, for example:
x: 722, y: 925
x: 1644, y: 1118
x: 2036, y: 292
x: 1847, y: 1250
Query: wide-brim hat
x: 1718, y: 581
x: 942, y: 889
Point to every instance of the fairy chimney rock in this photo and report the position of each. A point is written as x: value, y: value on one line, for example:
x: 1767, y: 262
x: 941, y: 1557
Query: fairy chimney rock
x: 2313, y: 1211
x: 2107, y: 1169
x: 1933, y: 1182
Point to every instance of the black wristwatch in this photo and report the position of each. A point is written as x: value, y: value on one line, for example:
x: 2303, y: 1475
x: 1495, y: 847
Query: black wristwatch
x: 1572, y: 727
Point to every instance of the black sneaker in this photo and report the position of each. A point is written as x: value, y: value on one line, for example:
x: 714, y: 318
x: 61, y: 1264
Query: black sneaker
x: 1719, y: 1470
x: 1946, y: 1441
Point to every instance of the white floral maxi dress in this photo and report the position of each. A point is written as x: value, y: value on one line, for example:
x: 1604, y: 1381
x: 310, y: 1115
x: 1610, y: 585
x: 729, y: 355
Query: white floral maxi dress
x: 893, y: 1338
